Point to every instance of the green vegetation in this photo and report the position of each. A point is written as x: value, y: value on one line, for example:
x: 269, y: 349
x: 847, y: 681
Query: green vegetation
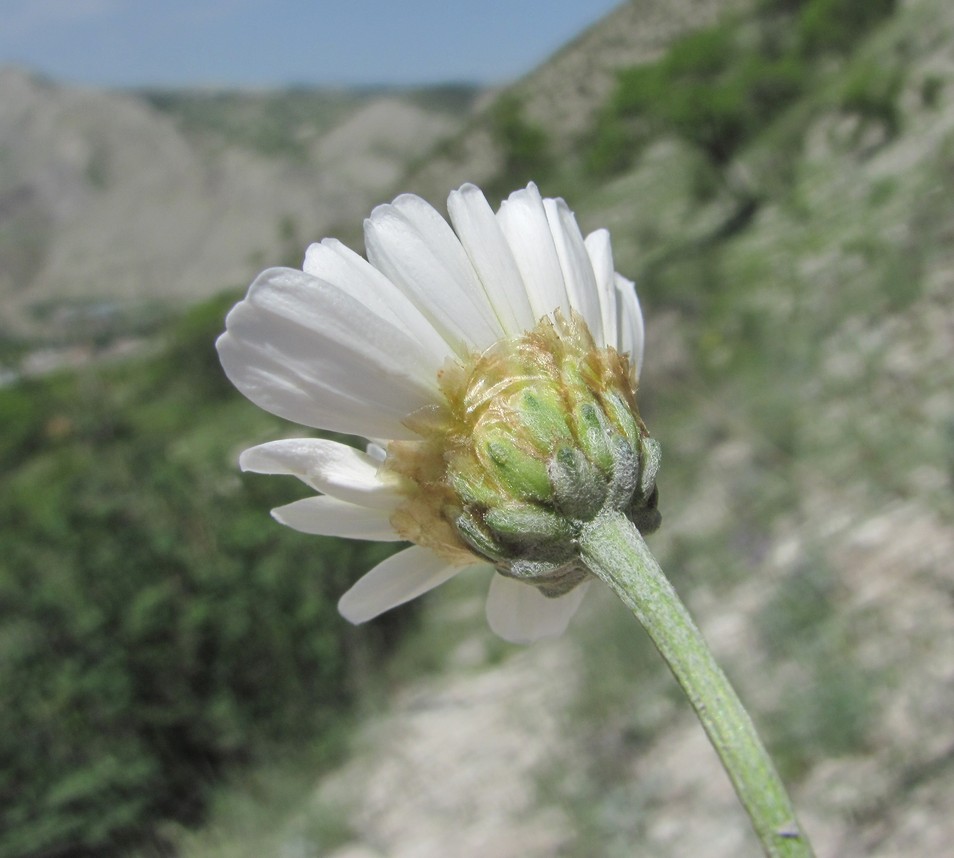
x: 526, y: 152
x: 802, y: 622
x: 710, y: 91
x: 825, y: 26
x: 285, y: 123
x: 157, y: 627
x: 272, y: 123
x: 871, y: 93
x: 720, y: 87
x: 456, y: 99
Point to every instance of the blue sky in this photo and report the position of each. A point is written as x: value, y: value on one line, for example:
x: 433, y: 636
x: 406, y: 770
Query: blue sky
x: 274, y: 42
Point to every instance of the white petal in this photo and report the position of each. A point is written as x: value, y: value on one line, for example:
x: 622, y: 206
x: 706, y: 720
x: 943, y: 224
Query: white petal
x: 304, y: 349
x: 324, y: 515
x: 327, y: 466
x: 402, y: 577
x: 575, y: 264
x: 332, y: 261
x: 629, y: 321
x: 377, y: 451
x: 524, y: 223
x: 417, y: 250
x: 600, y: 251
x: 328, y: 313
x: 479, y: 232
x: 520, y: 613
x: 266, y: 380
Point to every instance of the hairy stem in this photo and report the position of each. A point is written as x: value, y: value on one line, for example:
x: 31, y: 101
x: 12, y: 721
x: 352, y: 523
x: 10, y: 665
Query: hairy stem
x: 614, y: 550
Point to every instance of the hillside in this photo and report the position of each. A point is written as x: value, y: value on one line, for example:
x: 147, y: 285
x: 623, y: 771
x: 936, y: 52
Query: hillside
x: 780, y: 184
x: 561, y: 98
x: 117, y: 204
x: 800, y: 377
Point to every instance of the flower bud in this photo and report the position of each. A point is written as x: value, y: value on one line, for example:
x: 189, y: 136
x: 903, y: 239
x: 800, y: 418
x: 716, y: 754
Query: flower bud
x: 541, y: 434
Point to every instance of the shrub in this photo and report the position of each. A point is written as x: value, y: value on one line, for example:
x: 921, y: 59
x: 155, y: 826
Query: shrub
x: 719, y: 87
x: 835, y: 25
x: 526, y: 151
x: 709, y: 91
x: 871, y: 92
x: 931, y: 88
x: 155, y: 625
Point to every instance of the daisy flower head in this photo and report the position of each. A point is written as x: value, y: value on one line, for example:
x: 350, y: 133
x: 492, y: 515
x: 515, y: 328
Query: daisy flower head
x: 491, y: 362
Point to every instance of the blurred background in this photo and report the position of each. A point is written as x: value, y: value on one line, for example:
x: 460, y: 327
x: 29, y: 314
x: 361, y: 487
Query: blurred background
x: 778, y: 177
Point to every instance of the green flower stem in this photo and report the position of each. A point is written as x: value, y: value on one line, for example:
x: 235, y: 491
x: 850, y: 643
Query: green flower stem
x: 614, y: 550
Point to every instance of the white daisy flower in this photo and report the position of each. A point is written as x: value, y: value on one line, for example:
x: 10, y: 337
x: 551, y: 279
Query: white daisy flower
x: 493, y: 363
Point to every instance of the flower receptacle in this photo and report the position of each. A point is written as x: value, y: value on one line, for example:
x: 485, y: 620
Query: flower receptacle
x: 541, y: 435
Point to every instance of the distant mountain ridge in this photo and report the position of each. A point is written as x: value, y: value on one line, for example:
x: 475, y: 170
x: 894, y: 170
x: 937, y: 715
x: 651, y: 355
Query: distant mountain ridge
x: 106, y: 200
x: 125, y: 202
x: 122, y: 202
